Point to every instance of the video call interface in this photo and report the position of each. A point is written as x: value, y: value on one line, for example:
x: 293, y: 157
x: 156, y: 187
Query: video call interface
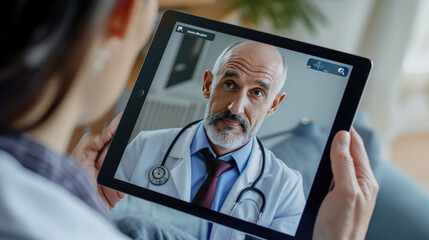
x: 257, y: 121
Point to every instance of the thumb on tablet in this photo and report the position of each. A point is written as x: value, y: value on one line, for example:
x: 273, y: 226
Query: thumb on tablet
x: 343, y: 168
x: 347, y: 209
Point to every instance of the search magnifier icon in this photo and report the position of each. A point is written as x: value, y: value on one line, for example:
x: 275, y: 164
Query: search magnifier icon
x: 341, y: 70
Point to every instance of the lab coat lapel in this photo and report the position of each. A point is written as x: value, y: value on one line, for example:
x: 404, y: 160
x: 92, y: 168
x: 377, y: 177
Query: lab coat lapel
x: 246, y: 178
x: 180, y: 160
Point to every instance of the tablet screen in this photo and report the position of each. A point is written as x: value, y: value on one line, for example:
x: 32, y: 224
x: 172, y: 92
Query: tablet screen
x: 234, y: 125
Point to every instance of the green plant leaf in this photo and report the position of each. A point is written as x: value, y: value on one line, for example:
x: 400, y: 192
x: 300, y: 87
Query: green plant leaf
x: 281, y: 13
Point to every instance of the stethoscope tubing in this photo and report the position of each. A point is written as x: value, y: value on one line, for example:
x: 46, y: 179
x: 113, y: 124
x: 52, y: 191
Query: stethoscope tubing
x: 175, y: 140
x: 251, y: 188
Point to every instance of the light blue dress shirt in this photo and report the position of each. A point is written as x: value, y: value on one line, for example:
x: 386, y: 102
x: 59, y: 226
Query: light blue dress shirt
x: 228, y: 178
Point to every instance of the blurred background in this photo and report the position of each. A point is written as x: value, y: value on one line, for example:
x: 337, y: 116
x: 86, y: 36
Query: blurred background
x: 394, y: 35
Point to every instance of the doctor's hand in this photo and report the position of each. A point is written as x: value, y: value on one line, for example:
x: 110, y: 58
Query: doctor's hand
x: 346, y: 211
x: 90, y: 153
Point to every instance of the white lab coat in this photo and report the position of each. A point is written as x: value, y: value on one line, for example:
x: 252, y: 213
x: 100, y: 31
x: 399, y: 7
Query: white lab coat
x: 281, y: 185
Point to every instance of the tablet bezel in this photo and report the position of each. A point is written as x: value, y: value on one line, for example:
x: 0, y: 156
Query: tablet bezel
x: 343, y: 121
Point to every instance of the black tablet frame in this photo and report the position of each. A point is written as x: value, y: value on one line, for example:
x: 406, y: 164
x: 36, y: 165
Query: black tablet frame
x: 343, y: 121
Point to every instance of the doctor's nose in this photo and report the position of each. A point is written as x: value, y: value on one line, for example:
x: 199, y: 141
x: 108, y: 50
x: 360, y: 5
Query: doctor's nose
x: 237, y: 106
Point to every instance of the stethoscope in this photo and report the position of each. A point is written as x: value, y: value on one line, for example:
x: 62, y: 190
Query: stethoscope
x: 159, y: 175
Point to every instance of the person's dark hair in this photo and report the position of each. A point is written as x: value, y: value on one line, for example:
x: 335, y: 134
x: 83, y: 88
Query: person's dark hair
x: 40, y: 40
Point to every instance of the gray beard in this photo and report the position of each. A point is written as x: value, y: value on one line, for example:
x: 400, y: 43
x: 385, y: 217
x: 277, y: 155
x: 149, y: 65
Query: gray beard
x: 226, y: 138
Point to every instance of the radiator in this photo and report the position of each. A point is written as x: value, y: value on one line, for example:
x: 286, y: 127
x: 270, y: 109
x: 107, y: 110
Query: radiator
x: 160, y: 113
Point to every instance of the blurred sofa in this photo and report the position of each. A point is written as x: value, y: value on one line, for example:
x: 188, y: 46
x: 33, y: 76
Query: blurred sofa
x: 402, y: 208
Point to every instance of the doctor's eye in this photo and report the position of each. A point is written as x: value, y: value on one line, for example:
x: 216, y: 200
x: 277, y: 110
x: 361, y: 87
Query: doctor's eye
x: 229, y: 84
x: 257, y: 93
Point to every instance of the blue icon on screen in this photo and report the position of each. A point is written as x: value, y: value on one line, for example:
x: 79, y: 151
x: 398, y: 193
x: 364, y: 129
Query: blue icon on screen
x: 327, y: 67
x: 319, y: 65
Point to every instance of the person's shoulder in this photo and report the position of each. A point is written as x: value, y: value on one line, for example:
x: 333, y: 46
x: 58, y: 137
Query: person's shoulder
x: 32, y: 207
x: 160, y: 134
x: 280, y: 167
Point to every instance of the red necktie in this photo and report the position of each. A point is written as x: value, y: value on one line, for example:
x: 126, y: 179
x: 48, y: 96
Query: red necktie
x: 215, y: 168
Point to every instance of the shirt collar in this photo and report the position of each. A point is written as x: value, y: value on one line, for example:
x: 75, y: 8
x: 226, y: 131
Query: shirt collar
x: 240, y: 156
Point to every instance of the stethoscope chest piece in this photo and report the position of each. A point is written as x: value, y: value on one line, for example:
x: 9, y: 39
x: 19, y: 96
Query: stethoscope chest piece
x: 159, y: 175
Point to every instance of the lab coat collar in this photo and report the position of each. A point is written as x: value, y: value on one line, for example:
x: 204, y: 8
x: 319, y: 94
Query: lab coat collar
x: 181, y: 169
x: 255, y: 163
x: 180, y: 156
x: 181, y: 148
x: 247, y: 177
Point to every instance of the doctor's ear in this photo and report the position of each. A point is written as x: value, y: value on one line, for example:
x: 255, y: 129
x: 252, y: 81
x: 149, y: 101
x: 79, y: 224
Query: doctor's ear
x: 208, y: 80
x: 279, y: 98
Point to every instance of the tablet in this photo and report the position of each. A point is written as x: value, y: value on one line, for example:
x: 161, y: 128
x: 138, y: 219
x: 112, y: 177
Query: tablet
x: 234, y: 126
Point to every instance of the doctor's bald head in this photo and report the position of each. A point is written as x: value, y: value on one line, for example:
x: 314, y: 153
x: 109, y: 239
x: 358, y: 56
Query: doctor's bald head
x: 244, y: 87
x: 226, y: 55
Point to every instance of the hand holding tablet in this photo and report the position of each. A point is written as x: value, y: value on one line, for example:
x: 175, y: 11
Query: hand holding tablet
x: 242, y: 84
x: 347, y: 209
